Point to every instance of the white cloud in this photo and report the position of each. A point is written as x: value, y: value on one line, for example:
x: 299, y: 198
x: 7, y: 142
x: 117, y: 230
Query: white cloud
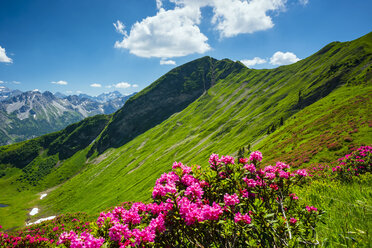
x: 69, y: 91
x: 79, y: 92
x: 175, y: 32
x: 122, y: 85
x: 2, y: 82
x: 3, y: 57
x: 61, y: 82
x: 120, y: 28
x: 16, y: 82
x: 280, y: 58
x: 36, y: 90
x: 135, y: 85
x: 168, y: 34
x: 167, y: 62
x: 253, y: 62
x: 96, y: 85
x: 233, y: 17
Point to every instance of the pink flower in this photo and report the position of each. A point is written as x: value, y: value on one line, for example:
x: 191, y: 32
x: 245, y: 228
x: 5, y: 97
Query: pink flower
x: 282, y: 165
x: 250, y: 167
x: 250, y: 182
x: 214, y: 161
x: 302, y: 172
x: 227, y: 160
x: 284, y: 174
x: 243, y: 160
x: 117, y: 231
x: 270, y: 175
x: 311, y: 208
x: 188, y: 180
x: 212, y: 212
x: 293, y: 221
x: 293, y: 195
x: 195, y: 191
x: 231, y: 200
x: 246, y: 219
x: 256, y: 156
x: 185, y: 169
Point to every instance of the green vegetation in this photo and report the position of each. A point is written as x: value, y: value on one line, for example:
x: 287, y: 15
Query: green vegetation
x: 169, y: 94
x: 28, y: 128
x: 308, y: 112
x: 233, y: 113
x: 348, y: 209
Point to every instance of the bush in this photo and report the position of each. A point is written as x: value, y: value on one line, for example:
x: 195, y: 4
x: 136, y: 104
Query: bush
x: 228, y: 205
x: 355, y: 163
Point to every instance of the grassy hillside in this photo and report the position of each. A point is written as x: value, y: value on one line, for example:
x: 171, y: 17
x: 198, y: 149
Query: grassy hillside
x: 169, y: 94
x: 241, y: 107
x: 32, y: 166
x: 238, y: 110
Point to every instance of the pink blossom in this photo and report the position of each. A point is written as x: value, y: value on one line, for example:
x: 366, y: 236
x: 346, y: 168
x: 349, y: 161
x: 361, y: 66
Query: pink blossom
x: 212, y: 212
x: 214, y: 161
x: 311, y: 208
x: 243, y: 160
x: 270, y: 175
x: 293, y: 221
x: 231, y: 200
x: 250, y: 167
x: 284, y: 174
x: 282, y: 165
x: 227, y: 159
x: 256, y: 156
x: 188, y: 180
x: 195, y: 191
x: 302, y: 172
x: 246, y: 219
x: 250, y: 182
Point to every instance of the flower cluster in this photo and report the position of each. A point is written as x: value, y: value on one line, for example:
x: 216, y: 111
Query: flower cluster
x: 85, y: 240
x: 230, y: 204
x: 355, y: 163
x: 46, y: 234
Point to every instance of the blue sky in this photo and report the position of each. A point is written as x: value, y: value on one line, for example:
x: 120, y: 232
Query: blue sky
x: 95, y: 46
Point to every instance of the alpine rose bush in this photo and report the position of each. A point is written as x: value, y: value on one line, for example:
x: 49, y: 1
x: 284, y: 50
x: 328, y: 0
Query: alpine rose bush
x: 355, y: 163
x: 228, y: 205
x: 233, y: 203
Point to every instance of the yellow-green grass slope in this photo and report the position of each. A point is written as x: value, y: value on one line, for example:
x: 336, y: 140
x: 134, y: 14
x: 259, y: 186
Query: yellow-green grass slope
x: 235, y: 112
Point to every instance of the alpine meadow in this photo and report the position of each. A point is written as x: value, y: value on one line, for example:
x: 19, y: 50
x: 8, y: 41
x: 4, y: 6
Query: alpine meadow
x: 183, y: 123
x: 307, y: 115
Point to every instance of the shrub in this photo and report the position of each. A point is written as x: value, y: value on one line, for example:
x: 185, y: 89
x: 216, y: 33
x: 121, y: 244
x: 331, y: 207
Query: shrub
x: 231, y: 204
x: 355, y: 163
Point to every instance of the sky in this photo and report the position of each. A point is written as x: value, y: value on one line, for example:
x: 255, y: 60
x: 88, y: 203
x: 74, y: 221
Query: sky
x: 96, y: 46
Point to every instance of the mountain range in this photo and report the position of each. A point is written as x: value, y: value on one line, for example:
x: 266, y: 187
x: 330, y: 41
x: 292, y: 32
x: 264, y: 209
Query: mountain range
x: 312, y: 111
x: 26, y: 115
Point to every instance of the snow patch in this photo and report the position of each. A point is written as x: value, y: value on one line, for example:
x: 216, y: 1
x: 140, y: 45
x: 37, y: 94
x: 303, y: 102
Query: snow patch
x: 42, y: 196
x: 34, y: 211
x: 40, y: 220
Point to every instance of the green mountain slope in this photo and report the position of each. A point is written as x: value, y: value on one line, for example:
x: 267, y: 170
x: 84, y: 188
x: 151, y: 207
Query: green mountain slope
x: 233, y: 107
x: 236, y: 111
x: 169, y: 94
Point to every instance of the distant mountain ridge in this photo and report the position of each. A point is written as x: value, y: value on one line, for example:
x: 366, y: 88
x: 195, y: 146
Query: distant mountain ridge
x: 5, y: 92
x: 26, y: 115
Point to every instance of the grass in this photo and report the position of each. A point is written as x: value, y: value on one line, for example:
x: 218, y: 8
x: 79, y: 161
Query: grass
x: 19, y: 203
x: 348, y: 211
